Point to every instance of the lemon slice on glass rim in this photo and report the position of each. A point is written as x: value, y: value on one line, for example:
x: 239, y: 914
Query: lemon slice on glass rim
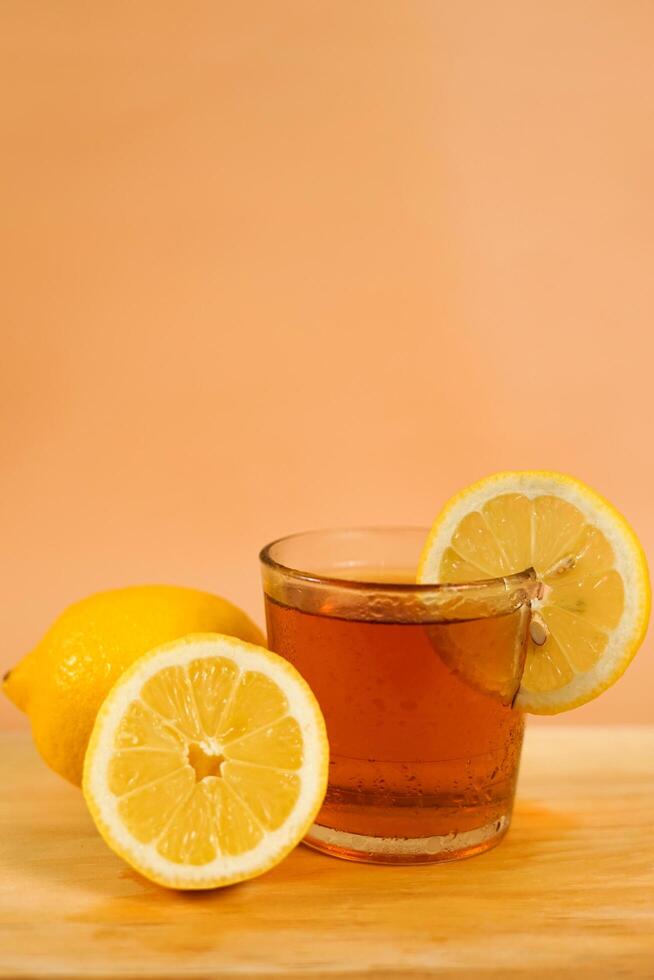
x: 595, y: 603
x: 207, y: 763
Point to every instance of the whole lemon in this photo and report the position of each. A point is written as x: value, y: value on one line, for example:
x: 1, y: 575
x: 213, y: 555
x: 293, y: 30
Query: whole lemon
x: 63, y: 681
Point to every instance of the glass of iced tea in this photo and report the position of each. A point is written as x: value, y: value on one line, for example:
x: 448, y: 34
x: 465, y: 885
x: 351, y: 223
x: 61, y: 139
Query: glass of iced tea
x: 424, y: 746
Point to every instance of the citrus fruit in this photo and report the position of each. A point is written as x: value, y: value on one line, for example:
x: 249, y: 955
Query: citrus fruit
x: 207, y: 763
x: 594, y: 606
x: 63, y: 681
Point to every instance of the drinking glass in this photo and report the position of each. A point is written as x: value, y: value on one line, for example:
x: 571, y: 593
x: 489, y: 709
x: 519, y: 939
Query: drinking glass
x: 424, y: 753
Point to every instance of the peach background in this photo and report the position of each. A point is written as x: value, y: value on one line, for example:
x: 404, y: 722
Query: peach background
x: 276, y: 265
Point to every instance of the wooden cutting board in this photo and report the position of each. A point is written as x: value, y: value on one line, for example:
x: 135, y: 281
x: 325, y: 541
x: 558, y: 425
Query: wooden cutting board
x: 570, y: 892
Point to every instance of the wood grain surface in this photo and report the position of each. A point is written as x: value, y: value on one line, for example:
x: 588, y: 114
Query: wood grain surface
x: 570, y: 892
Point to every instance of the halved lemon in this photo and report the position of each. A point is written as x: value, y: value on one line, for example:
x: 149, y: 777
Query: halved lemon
x: 207, y: 763
x: 595, y: 603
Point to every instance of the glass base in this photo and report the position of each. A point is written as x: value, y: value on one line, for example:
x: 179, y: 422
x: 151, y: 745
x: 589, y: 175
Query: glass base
x: 402, y: 850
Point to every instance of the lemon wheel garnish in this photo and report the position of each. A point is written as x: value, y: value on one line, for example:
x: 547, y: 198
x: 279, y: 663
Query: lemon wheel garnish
x: 594, y: 610
x: 207, y: 762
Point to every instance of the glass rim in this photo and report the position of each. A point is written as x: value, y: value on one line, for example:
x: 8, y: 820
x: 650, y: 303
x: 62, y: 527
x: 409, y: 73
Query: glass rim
x: 525, y: 576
